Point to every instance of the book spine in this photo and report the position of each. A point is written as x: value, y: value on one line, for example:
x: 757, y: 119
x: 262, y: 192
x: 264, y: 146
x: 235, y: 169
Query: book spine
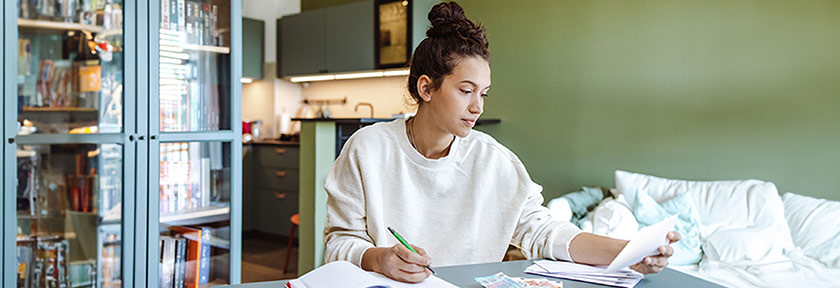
x: 181, y: 15
x: 215, y: 13
x: 180, y: 263
x: 199, y: 24
x: 173, y: 16
x: 204, y: 267
x: 164, y: 14
x: 207, y: 38
x: 205, y: 182
x: 167, y: 263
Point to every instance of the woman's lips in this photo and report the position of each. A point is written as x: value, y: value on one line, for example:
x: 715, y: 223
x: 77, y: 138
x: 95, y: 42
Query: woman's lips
x: 469, y: 122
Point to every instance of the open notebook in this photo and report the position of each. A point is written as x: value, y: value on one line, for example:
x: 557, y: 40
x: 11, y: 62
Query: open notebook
x: 345, y: 274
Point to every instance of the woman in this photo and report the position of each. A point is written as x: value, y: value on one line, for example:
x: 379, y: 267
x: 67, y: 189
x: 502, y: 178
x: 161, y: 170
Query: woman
x: 455, y: 192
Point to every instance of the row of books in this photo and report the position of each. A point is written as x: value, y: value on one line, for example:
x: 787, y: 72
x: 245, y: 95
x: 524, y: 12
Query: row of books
x: 187, y: 105
x: 185, y: 257
x: 185, y: 177
x: 197, y: 21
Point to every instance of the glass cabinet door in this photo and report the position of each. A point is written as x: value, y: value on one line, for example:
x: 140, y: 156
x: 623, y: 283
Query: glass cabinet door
x: 192, y: 114
x: 69, y: 143
x: 69, y: 66
x: 195, y: 65
x: 194, y: 204
x: 69, y: 215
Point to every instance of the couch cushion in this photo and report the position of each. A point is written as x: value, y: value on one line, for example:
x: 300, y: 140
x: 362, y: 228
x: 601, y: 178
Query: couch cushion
x: 744, y: 245
x: 815, y: 227
x: 746, y: 204
x: 612, y: 218
x: 648, y: 212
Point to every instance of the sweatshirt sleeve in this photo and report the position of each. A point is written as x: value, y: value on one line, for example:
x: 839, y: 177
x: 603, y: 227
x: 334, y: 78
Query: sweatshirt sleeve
x: 345, y: 230
x: 536, y: 233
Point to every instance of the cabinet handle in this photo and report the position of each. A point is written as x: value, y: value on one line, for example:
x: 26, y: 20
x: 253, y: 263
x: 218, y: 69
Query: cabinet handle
x: 279, y: 195
x: 280, y: 151
x: 280, y: 173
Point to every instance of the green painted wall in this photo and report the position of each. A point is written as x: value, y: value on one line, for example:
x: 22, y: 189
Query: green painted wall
x: 690, y: 89
x: 683, y: 89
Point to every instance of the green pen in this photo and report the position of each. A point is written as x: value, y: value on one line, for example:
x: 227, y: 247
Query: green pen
x: 407, y: 246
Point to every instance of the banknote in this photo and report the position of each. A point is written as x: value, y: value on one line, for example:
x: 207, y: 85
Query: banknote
x: 500, y: 280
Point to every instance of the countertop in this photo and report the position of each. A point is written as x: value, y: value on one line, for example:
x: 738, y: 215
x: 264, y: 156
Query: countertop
x: 272, y: 142
x: 374, y: 120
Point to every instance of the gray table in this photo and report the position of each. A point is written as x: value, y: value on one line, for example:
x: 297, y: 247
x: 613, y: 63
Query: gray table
x: 462, y: 276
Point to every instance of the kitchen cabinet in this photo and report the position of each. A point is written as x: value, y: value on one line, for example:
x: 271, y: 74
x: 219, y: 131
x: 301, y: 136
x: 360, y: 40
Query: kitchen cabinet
x: 329, y: 40
x: 339, y: 38
x: 273, y: 194
x: 302, y: 43
x: 253, y: 45
x: 349, y: 37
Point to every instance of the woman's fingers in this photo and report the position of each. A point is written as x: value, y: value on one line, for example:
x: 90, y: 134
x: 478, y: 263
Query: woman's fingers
x: 411, y: 257
x: 673, y: 236
x: 656, y: 261
x: 666, y: 250
x: 411, y: 277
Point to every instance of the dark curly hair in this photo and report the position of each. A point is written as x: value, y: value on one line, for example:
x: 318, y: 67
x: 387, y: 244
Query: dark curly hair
x: 450, y: 38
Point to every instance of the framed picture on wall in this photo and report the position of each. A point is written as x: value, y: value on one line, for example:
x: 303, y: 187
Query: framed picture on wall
x: 392, y: 25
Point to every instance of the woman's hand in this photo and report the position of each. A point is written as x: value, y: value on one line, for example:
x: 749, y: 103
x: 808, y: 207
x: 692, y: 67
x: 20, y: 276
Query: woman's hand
x: 655, y: 264
x: 398, y: 263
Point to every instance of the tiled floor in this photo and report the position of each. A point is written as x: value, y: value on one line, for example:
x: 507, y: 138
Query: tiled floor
x: 263, y: 257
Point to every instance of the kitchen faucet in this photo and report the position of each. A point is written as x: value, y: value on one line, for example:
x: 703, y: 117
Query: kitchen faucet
x: 364, y: 104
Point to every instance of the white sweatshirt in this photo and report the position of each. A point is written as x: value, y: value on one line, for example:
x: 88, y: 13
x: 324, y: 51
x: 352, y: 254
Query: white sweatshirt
x: 463, y: 208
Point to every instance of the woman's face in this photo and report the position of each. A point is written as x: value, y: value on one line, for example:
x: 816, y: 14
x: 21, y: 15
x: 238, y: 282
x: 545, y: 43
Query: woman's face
x: 460, y: 100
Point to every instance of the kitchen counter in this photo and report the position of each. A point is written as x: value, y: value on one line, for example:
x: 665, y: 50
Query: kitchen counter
x: 374, y: 120
x: 272, y: 142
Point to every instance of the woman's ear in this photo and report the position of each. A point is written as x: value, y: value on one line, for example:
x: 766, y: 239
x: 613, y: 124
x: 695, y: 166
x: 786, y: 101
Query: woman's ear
x: 424, y: 88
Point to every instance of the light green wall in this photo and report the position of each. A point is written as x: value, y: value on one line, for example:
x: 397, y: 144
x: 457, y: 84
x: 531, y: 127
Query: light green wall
x: 690, y: 89
x: 683, y: 89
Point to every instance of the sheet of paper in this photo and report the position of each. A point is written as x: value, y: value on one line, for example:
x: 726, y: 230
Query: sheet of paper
x: 643, y: 244
x: 574, y: 268
x: 580, y: 272
x: 626, y: 283
x: 431, y: 282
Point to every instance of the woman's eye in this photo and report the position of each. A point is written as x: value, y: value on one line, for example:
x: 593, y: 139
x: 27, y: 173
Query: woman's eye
x: 466, y: 91
x: 485, y: 95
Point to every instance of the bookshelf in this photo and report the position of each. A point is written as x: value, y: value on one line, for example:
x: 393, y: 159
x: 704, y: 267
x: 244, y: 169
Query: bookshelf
x: 58, y: 109
x: 87, y: 138
x: 59, y: 26
x: 205, y: 48
x: 197, y: 216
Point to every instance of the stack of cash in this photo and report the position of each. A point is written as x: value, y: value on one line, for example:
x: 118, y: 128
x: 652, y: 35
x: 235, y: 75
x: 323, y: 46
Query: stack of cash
x: 500, y: 280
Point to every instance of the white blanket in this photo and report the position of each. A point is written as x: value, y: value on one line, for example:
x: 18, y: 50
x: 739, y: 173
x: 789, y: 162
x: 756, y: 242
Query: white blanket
x: 797, y: 271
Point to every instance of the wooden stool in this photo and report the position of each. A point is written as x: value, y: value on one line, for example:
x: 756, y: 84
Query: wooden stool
x: 295, y: 222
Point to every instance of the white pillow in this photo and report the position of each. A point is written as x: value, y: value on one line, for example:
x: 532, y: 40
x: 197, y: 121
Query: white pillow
x: 745, y: 204
x: 744, y: 244
x: 815, y: 226
x: 612, y: 218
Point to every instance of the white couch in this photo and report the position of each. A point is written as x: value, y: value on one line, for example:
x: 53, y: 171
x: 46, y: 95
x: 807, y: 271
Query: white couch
x: 750, y: 237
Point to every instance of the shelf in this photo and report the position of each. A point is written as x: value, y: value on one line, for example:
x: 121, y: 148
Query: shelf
x: 204, y: 48
x: 59, y: 26
x: 208, y: 214
x: 59, y: 109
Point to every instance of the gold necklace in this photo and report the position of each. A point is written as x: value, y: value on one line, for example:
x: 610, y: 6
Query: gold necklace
x: 411, y: 134
x: 411, y: 138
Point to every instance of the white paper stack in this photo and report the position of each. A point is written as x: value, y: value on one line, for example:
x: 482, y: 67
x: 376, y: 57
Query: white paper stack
x: 645, y: 243
x: 592, y: 274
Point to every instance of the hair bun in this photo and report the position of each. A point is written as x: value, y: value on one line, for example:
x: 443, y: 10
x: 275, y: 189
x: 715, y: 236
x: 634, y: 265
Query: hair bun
x: 447, y: 20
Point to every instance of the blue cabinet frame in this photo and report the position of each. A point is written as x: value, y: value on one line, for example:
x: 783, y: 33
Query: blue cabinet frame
x: 140, y: 140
